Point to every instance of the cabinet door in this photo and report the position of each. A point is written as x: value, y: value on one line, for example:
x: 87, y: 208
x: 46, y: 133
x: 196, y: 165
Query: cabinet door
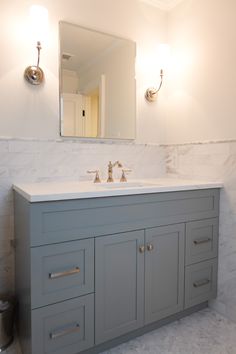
x: 119, y: 284
x: 164, y: 271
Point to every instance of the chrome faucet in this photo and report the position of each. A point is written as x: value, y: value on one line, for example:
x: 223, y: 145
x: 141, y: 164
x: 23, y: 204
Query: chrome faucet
x: 110, y: 170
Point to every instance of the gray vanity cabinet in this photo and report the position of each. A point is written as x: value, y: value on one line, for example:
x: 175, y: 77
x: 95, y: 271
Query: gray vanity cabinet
x: 131, y: 267
x: 164, y: 272
x: 119, y: 285
x: 91, y: 273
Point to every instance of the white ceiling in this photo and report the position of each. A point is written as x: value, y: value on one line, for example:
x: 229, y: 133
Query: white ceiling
x: 163, y: 4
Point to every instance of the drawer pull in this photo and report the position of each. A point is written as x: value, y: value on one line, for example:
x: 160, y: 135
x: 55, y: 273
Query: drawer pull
x: 64, y: 332
x: 64, y: 274
x: 201, y: 240
x: 200, y: 283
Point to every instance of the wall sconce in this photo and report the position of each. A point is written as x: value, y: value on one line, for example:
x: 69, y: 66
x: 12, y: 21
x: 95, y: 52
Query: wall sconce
x: 39, y: 24
x: 163, y: 54
x: 151, y: 92
x: 34, y: 74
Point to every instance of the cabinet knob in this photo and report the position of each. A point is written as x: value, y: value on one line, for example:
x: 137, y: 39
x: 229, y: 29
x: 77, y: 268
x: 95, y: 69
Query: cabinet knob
x: 150, y: 247
x: 142, y: 249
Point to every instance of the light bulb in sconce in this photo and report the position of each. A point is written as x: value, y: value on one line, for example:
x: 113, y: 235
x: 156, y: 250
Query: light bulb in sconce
x: 39, y: 29
x: 163, y: 54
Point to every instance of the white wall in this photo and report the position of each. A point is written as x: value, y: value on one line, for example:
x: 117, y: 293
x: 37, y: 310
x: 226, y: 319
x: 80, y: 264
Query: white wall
x: 28, y: 111
x: 70, y: 81
x: 202, y: 95
x: 200, y: 102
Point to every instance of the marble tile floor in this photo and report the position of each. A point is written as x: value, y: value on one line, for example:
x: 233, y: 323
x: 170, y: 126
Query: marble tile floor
x: 205, y: 332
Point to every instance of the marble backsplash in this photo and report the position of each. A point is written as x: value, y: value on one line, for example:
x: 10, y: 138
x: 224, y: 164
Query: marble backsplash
x: 214, y: 161
x: 37, y: 160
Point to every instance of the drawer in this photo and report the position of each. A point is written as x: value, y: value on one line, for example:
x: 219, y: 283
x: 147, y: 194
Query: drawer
x: 60, y: 221
x: 64, y: 328
x: 200, y: 282
x: 201, y: 240
x: 61, y: 271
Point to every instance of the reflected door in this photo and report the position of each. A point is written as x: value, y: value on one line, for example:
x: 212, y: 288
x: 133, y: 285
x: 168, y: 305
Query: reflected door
x: 72, y: 115
x: 80, y: 115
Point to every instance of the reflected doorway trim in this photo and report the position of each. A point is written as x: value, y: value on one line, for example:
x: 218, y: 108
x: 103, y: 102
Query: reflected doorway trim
x: 102, y: 102
x: 101, y: 84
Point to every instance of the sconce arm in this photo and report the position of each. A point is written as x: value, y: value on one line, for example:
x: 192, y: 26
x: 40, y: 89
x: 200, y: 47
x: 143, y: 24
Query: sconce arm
x: 151, y: 92
x: 39, y: 47
x: 34, y: 74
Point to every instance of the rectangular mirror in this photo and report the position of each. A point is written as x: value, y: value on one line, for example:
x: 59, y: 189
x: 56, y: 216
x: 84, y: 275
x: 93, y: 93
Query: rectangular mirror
x: 97, y: 84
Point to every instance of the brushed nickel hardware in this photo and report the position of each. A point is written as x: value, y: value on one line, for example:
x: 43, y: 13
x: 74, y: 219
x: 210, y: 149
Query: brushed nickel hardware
x: 150, y: 247
x: 64, y: 274
x: 200, y: 283
x: 123, y: 176
x: 64, y: 332
x: 201, y: 240
x: 141, y: 249
x: 39, y: 23
x: 34, y: 74
x: 110, y: 170
x: 151, y: 92
x: 97, y: 178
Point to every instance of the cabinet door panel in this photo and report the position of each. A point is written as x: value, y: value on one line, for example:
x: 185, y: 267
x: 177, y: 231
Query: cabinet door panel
x: 119, y: 284
x: 164, y: 272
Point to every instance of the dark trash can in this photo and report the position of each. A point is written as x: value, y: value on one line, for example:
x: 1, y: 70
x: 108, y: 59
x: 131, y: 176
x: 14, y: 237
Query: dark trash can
x: 7, y: 314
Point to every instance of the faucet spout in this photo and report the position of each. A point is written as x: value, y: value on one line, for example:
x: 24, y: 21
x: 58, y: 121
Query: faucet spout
x: 110, y: 170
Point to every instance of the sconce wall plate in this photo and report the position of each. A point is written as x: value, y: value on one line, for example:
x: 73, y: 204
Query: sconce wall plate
x: 151, y: 94
x: 34, y: 74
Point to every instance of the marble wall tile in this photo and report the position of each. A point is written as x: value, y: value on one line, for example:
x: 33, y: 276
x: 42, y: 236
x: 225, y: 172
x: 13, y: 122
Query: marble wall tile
x: 215, y: 161
x: 38, y: 160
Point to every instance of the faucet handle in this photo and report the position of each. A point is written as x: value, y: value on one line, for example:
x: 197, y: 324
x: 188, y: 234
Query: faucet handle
x: 97, y: 178
x: 123, y: 176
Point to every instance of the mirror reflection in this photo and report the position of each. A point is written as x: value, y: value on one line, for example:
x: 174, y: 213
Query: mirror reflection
x: 97, y: 84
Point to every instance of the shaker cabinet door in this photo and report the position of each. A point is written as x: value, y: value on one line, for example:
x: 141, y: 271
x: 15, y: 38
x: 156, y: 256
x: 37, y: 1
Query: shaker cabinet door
x: 119, y: 284
x: 164, y: 271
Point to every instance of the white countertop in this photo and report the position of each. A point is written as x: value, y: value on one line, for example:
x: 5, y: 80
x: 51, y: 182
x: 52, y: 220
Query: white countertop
x: 52, y: 191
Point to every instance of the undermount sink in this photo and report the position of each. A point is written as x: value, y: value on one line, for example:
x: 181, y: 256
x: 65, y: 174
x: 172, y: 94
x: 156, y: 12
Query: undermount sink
x: 116, y: 185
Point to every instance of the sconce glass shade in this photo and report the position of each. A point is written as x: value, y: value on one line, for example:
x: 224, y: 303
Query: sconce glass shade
x: 163, y: 56
x: 38, y: 23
